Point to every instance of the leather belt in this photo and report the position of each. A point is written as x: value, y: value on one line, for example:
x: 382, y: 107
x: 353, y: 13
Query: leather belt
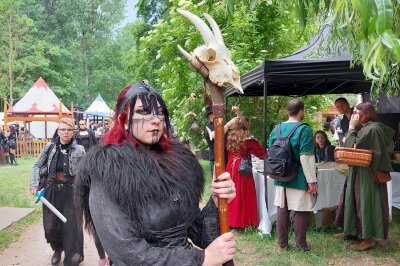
x: 60, y: 176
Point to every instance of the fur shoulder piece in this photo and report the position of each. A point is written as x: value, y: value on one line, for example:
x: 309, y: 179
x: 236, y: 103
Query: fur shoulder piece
x: 133, y: 176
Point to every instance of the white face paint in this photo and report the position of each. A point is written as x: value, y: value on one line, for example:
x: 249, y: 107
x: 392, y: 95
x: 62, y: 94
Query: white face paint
x: 147, y: 127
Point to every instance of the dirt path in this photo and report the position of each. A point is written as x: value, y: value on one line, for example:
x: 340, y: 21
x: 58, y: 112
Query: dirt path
x: 32, y: 249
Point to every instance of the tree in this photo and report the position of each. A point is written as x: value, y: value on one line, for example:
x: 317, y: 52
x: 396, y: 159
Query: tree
x: 20, y: 55
x: 251, y: 36
x: 370, y: 29
x: 152, y: 10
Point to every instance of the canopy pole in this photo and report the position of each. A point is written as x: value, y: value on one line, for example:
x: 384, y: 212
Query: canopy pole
x: 265, y: 136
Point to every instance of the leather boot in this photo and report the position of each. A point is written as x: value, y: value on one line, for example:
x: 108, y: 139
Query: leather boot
x: 56, y: 258
x: 363, y: 245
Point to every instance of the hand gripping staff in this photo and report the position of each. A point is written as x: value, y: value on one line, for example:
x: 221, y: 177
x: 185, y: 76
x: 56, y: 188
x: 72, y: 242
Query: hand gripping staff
x: 40, y: 197
x: 214, y: 63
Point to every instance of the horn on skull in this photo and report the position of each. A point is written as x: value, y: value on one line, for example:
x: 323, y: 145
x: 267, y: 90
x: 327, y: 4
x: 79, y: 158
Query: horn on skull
x: 194, y: 62
x: 215, y: 28
x: 201, y: 26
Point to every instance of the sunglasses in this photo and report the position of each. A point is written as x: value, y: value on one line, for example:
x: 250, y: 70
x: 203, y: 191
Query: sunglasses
x: 82, y: 124
x: 66, y: 129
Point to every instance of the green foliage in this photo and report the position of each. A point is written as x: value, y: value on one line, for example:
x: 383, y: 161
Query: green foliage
x: 369, y: 28
x: 152, y: 10
x: 20, y: 55
x: 71, y: 44
x: 250, y: 35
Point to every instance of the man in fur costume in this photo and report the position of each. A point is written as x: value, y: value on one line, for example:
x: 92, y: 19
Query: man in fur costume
x: 140, y: 191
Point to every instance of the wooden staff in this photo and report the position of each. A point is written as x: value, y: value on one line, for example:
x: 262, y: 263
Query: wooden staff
x: 219, y: 139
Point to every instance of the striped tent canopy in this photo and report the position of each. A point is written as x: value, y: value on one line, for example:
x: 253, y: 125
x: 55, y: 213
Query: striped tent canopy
x: 99, y: 108
x: 39, y: 99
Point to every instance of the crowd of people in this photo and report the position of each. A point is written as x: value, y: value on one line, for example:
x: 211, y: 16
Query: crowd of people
x: 8, y: 145
x: 141, y: 203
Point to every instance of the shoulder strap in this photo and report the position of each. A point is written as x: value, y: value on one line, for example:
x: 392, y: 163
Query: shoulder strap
x: 293, y: 130
x: 48, y: 152
x: 278, y: 131
x: 49, y: 149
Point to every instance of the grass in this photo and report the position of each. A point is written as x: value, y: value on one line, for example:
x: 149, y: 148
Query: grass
x: 254, y: 249
x: 14, y: 192
x: 14, y: 184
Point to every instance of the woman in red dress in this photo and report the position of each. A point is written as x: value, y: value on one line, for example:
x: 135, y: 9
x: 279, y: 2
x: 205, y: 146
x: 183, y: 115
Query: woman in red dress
x: 242, y: 210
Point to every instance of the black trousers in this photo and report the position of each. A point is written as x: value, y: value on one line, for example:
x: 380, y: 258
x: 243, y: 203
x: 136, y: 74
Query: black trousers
x: 63, y: 236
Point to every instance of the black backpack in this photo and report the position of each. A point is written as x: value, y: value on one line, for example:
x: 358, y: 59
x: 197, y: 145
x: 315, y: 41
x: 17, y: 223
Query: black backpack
x: 281, y: 164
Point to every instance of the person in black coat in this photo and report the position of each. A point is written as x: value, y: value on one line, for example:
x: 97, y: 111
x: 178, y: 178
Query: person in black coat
x: 85, y: 136
x: 140, y: 190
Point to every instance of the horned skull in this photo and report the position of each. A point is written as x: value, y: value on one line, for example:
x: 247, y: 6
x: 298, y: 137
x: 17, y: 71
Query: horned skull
x: 214, y: 54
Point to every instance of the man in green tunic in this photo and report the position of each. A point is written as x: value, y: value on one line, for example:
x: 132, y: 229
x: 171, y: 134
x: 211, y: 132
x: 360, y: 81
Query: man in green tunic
x: 363, y: 207
x: 296, y: 195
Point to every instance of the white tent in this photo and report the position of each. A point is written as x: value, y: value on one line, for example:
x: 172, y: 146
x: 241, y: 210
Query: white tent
x: 99, y: 108
x: 41, y: 108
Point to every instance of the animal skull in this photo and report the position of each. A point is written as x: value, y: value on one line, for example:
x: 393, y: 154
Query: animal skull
x: 214, y: 54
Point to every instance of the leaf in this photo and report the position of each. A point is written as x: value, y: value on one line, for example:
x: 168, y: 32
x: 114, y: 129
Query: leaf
x: 253, y: 4
x: 302, y: 14
x: 385, y: 15
x: 365, y: 8
x: 390, y: 40
x: 315, y: 6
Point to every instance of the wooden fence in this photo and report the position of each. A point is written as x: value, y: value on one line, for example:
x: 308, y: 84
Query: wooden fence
x: 31, y: 148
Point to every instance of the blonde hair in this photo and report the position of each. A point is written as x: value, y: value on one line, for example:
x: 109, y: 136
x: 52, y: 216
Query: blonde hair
x: 68, y: 121
x: 238, y: 135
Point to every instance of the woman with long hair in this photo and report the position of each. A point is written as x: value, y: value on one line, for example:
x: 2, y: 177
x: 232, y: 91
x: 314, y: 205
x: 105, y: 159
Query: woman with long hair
x: 140, y: 190
x: 240, y: 145
x: 324, y: 150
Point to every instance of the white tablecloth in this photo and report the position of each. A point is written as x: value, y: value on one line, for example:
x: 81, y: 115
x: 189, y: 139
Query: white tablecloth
x: 330, y: 184
x: 394, y: 190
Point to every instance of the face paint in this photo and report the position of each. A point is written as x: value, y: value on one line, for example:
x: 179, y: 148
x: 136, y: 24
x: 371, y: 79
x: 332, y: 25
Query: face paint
x: 147, y: 125
x: 155, y: 136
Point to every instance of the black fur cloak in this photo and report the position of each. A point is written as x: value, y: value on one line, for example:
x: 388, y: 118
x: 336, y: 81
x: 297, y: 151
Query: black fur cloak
x: 154, y: 196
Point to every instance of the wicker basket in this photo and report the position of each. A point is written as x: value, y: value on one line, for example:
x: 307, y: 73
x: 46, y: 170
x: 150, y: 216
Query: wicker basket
x: 353, y: 156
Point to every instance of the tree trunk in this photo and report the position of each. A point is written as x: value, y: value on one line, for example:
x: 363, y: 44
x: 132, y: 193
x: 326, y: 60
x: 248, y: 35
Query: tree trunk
x: 10, y: 61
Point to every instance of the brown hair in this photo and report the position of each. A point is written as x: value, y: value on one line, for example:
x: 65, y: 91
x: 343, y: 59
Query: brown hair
x: 327, y: 142
x: 341, y: 99
x: 68, y: 121
x: 294, y: 107
x: 238, y: 135
x: 367, y: 112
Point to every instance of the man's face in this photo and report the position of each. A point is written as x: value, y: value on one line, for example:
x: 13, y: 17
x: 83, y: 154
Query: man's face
x: 341, y: 106
x: 82, y: 125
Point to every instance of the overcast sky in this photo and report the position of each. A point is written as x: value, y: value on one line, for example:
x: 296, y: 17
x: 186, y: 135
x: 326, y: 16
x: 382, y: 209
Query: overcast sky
x: 130, y: 12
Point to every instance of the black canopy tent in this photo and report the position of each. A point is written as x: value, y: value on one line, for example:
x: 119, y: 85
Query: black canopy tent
x: 310, y: 70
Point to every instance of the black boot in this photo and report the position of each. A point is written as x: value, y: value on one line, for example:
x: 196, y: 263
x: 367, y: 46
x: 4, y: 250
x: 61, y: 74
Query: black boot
x: 55, y: 259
